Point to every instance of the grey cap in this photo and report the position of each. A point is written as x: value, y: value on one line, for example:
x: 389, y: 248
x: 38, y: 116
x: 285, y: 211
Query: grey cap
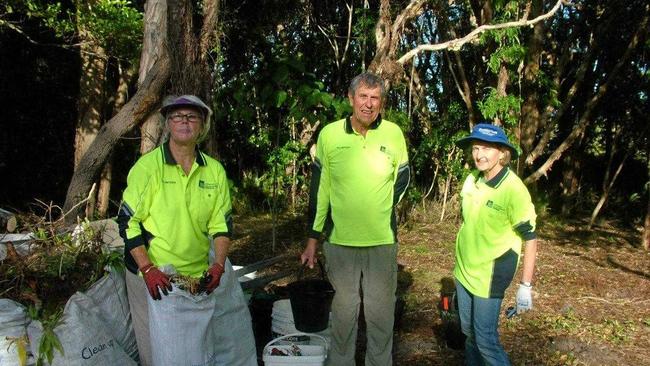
x: 170, y: 104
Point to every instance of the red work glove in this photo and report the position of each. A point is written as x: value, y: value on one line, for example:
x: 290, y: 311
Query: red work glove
x: 155, y: 279
x: 215, y: 272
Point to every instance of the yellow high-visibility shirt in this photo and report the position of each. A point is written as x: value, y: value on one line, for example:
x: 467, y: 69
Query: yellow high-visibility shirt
x: 356, y: 183
x: 498, y: 215
x: 175, y: 215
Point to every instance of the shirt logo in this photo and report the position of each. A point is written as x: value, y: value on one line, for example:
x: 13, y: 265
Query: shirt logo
x: 203, y: 184
x: 494, y: 206
x: 343, y: 147
x: 169, y: 181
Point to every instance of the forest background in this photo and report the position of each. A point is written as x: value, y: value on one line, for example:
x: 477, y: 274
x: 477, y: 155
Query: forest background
x: 570, y: 87
x: 81, y: 83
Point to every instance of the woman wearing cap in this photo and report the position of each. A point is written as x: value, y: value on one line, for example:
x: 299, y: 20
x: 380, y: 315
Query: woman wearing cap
x: 175, y: 206
x: 498, y: 220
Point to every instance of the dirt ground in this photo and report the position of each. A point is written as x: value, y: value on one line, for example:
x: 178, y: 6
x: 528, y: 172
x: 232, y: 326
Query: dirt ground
x: 591, y: 290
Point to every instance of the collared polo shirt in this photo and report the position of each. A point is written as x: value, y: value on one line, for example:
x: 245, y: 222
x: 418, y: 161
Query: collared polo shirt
x: 498, y: 215
x: 173, y: 213
x: 356, y: 183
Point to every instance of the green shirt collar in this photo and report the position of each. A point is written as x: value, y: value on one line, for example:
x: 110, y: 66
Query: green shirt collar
x: 169, y: 158
x: 373, y: 126
x: 496, y: 181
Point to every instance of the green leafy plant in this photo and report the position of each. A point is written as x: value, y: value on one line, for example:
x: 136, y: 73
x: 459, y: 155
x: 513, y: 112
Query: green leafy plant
x: 49, y: 342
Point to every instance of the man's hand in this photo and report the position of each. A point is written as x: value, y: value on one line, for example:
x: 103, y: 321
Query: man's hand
x: 524, y: 298
x: 155, y: 280
x: 214, y: 274
x: 309, y: 254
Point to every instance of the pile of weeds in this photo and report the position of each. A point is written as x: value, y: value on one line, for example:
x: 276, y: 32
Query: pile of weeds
x: 60, y: 261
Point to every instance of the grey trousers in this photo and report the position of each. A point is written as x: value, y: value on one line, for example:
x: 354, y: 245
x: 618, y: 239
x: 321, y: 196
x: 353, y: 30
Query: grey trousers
x: 374, y: 269
x: 137, y: 293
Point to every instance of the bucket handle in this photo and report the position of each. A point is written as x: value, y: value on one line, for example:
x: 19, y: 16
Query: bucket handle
x: 302, y: 268
x: 272, y: 342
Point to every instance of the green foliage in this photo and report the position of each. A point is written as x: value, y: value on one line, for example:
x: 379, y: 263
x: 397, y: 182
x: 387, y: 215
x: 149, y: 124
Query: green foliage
x: 400, y: 118
x: 277, y: 107
x: 507, y: 107
x: 115, y: 25
x: 511, y: 55
x: 49, y: 342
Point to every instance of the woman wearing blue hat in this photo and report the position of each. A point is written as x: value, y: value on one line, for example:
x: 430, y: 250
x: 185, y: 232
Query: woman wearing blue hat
x: 498, y: 220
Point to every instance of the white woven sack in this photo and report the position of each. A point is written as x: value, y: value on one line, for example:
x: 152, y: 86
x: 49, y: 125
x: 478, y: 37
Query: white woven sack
x: 202, y: 329
x: 84, y: 336
x: 112, y: 304
x: 13, y: 322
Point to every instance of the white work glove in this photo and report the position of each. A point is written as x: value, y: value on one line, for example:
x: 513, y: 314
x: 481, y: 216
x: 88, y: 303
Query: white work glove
x: 524, y: 298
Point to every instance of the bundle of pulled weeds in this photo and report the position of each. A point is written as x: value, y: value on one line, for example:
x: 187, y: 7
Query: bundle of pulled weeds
x: 43, y: 273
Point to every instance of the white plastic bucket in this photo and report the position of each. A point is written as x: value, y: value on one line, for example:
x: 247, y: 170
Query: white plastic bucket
x: 311, y: 354
x: 282, y: 323
x: 282, y: 318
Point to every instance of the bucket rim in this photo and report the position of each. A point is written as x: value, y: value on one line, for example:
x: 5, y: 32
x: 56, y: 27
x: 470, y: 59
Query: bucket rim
x: 323, y: 339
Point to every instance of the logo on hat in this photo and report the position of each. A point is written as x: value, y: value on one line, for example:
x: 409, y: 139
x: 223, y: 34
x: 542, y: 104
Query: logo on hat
x: 487, y: 131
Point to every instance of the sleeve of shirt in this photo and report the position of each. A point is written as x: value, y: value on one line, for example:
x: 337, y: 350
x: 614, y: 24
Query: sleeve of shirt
x: 220, y: 223
x: 403, y: 171
x: 522, y: 213
x: 134, y: 209
x: 319, y: 190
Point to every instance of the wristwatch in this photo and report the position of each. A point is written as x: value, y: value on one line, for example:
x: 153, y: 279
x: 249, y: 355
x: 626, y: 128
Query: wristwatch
x: 527, y: 284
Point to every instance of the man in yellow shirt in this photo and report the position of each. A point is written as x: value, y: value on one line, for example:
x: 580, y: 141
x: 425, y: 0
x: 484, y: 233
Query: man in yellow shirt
x: 360, y: 173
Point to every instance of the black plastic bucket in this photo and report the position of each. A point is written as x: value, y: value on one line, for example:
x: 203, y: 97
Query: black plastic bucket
x: 311, y: 301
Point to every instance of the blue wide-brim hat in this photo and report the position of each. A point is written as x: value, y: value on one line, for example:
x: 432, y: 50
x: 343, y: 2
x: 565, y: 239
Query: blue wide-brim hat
x: 488, y: 133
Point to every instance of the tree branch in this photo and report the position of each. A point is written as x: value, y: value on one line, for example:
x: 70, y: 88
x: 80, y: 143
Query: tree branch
x: 349, y: 35
x: 133, y: 113
x: 457, y: 44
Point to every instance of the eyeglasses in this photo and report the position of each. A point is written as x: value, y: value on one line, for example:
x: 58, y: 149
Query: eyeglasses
x: 179, y: 117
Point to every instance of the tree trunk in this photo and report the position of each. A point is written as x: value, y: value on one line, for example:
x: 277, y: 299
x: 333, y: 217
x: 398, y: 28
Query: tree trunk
x: 530, y: 113
x: 91, y: 96
x: 503, y: 80
x: 105, y: 181
x: 104, y: 190
x: 133, y: 113
x: 645, y: 242
x: 388, y: 33
x: 189, y: 53
x: 154, y: 46
x: 570, y: 181
x: 605, y: 195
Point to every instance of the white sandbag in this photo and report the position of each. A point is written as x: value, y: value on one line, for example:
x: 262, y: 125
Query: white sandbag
x: 112, y: 304
x: 84, y: 335
x: 13, y: 332
x: 202, y: 329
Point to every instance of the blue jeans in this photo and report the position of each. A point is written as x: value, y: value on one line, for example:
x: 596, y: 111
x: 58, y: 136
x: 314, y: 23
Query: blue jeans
x: 479, y: 319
